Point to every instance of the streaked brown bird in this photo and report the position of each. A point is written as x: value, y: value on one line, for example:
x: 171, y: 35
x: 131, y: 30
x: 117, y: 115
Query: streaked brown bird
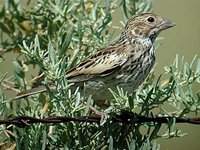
x: 125, y: 63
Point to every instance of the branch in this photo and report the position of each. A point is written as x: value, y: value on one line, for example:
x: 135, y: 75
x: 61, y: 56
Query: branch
x: 125, y: 117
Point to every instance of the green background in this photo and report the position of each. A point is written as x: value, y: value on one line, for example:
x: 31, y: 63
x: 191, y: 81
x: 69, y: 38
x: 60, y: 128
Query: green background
x: 183, y: 39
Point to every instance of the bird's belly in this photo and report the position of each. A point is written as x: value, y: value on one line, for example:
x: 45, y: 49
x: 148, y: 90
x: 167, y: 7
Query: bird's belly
x: 99, y: 89
x: 129, y: 81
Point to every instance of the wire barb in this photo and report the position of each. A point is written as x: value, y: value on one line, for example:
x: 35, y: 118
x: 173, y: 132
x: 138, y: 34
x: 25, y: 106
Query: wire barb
x: 124, y: 117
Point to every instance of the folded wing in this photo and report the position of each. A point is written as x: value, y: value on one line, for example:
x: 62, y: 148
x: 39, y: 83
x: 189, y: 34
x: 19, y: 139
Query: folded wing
x: 104, y: 63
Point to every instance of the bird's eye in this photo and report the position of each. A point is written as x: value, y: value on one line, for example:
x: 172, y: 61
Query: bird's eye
x: 150, y: 19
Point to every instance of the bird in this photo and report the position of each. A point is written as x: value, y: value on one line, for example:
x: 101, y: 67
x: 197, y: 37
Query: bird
x: 125, y: 63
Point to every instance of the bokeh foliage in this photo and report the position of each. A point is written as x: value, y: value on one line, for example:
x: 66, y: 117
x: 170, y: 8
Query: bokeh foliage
x: 54, y: 35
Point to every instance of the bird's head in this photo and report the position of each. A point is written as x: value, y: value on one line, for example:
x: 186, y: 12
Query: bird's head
x: 147, y: 25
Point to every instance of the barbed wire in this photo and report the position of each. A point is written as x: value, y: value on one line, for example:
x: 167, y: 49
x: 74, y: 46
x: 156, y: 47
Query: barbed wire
x: 125, y: 117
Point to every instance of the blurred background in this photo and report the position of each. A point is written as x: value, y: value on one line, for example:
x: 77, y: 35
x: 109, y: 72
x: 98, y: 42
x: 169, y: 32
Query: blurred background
x: 183, y: 39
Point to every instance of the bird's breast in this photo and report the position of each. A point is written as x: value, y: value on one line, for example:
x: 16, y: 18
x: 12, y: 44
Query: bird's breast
x: 136, y: 69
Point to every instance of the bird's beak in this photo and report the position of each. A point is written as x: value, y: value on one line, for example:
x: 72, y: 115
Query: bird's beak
x: 165, y: 24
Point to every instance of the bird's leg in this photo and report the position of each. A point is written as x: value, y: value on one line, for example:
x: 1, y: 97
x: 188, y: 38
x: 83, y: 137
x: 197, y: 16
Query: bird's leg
x: 104, y: 115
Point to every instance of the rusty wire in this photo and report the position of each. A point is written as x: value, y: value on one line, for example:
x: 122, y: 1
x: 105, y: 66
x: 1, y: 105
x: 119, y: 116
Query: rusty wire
x: 125, y: 117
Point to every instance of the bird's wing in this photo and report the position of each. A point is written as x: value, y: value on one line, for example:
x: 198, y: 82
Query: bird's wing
x: 104, y: 63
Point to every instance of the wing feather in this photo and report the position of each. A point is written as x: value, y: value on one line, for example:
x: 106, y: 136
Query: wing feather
x: 104, y: 63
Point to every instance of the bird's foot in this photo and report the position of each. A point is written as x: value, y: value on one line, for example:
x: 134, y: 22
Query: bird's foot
x: 104, y: 115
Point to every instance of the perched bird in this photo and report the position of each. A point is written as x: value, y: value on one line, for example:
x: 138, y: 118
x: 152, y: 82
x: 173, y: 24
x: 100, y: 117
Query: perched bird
x: 125, y: 63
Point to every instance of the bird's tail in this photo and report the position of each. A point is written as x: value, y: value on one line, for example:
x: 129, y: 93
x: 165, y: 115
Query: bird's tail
x: 29, y: 92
